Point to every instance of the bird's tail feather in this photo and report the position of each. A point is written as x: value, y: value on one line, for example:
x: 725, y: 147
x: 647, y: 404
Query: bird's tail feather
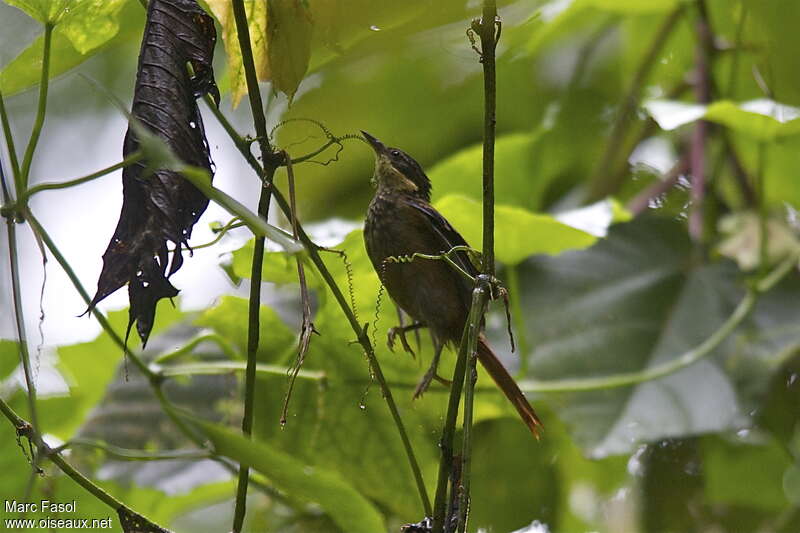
x: 509, y: 387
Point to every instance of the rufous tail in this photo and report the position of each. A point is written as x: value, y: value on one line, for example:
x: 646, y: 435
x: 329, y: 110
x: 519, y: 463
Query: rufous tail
x: 509, y: 387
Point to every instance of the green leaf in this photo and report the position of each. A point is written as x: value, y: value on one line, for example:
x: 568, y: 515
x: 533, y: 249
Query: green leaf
x: 772, y: 30
x: 229, y: 319
x: 518, y: 233
x: 348, y: 508
x: 86, y: 23
x: 764, y: 120
x: 515, y: 168
x: 85, y: 32
x: 288, y: 44
x: 761, y: 120
x: 632, y: 301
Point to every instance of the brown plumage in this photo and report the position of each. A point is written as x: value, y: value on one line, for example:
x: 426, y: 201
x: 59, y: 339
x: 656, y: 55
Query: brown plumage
x: 401, y: 222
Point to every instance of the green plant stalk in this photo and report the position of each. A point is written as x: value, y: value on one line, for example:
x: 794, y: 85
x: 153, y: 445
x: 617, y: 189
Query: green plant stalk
x: 363, y: 338
x: 256, y: 224
x: 253, y: 321
x: 488, y: 27
x: 480, y: 300
x: 24, y: 429
x: 130, y: 160
x: 599, y: 183
x: 38, y: 123
x: 217, y: 339
x: 226, y: 367
x: 125, y: 454
x: 690, y: 357
x: 12, y: 151
x: 448, y: 431
x: 19, y: 318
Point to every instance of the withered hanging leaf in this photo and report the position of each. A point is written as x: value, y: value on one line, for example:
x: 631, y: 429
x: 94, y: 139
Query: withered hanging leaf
x: 159, y: 205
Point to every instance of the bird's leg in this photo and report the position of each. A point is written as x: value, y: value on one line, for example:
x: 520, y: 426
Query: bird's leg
x: 431, y: 374
x: 400, y: 331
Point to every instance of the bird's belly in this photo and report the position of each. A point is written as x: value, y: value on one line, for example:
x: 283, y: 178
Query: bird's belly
x: 430, y: 291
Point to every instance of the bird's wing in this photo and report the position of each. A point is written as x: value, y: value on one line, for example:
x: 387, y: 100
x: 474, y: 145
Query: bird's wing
x: 448, y: 236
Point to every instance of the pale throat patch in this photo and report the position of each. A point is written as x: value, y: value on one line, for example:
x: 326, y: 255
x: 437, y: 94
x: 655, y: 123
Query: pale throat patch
x: 386, y: 176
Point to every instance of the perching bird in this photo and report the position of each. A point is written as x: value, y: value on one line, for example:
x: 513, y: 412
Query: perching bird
x: 400, y: 222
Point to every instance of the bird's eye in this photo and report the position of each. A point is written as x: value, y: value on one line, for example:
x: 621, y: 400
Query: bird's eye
x: 396, y: 153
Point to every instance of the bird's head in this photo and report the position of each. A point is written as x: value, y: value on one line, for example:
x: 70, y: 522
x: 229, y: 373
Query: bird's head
x: 397, y: 171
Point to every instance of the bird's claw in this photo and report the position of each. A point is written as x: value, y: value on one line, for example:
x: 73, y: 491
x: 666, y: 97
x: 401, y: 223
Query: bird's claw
x: 425, y: 382
x: 399, y: 332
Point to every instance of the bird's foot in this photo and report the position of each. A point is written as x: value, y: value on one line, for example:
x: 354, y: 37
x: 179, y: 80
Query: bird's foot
x: 400, y: 332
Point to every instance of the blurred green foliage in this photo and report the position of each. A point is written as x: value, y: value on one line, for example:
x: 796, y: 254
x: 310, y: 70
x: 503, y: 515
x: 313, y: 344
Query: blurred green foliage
x: 713, y: 447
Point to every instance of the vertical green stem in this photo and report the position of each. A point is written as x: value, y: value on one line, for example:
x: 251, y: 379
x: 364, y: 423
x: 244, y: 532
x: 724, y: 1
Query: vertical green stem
x: 266, y: 174
x: 479, y: 296
x: 22, y: 184
x: 489, y: 31
x: 19, y: 317
x: 479, y: 302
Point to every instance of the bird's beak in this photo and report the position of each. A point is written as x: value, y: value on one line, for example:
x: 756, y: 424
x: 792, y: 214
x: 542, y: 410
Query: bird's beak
x: 378, y: 146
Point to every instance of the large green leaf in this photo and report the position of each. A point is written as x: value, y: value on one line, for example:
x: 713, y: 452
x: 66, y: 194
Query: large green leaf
x: 349, y: 509
x: 77, y: 37
x: 772, y: 30
x: 515, y: 172
x: 518, y: 233
x: 762, y: 120
x: 635, y: 300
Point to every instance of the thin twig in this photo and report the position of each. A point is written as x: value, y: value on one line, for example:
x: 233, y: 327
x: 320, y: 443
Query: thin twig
x: 600, y: 182
x: 19, y: 319
x: 306, y: 327
x: 130, y: 160
x: 226, y: 367
x: 127, y: 454
x: 703, y: 58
